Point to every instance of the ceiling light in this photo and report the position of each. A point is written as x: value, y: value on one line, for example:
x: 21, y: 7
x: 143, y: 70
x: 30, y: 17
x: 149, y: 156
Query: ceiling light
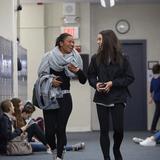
x: 112, y: 3
x: 107, y: 3
x: 103, y: 3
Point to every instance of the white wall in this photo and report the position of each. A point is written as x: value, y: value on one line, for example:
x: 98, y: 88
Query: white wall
x: 143, y: 19
x: 80, y: 119
x: 53, y: 22
x: 32, y: 38
x: 6, y: 19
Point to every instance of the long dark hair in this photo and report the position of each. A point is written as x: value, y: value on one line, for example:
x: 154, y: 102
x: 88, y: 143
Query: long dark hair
x: 110, y: 50
x: 61, y: 38
x: 17, y: 112
x: 16, y: 102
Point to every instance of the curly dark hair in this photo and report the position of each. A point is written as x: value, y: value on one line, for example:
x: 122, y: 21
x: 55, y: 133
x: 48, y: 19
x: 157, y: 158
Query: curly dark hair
x: 28, y: 108
x: 61, y: 38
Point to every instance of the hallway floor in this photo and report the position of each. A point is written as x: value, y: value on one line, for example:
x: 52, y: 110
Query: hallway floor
x: 92, y: 151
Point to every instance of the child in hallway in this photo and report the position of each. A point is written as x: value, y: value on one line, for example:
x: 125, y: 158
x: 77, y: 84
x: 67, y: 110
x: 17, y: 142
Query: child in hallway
x: 155, y: 95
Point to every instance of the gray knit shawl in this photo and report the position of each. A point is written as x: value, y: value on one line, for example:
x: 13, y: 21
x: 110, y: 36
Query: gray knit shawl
x: 58, y: 62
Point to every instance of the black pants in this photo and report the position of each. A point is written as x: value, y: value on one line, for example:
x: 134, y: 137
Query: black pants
x: 156, y: 116
x: 36, y: 131
x: 117, y: 113
x: 56, y: 122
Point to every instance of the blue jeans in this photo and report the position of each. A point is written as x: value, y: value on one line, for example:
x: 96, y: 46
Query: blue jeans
x: 157, y: 136
x: 37, y: 147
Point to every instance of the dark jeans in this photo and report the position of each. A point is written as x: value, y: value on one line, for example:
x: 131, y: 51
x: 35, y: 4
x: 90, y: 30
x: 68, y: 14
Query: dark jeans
x: 38, y: 147
x: 36, y: 131
x: 117, y: 113
x: 157, y: 136
x: 156, y: 116
x: 56, y: 122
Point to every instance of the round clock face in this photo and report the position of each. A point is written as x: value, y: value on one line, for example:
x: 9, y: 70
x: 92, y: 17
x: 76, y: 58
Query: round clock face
x: 122, y: 26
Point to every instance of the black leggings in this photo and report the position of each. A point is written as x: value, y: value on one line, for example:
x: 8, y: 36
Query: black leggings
x: 36, y: 131
x: 56, y: 122
x: 117, y: 113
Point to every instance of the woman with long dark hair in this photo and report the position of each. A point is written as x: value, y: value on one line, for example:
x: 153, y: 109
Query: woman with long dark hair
x: 57, y: 67
x: 110, y: 74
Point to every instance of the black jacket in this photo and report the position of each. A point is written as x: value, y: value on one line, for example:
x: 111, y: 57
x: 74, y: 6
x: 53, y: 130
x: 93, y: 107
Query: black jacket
x: 120, y: 75
x: 6, y: 133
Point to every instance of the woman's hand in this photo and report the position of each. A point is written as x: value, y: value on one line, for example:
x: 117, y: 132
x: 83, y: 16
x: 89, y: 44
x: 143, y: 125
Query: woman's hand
x: 73, y: 68
x: 150, y: 100
x: 56, y: 81
x: 104, y: 87
x: 100, y: 86
x: 108, y: 86
x: 24, y: 128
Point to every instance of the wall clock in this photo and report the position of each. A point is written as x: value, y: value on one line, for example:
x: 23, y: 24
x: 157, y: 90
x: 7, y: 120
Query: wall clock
x: 122, y: 26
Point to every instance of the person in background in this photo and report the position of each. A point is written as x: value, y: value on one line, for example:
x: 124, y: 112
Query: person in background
x: 18, y: 107
x: 110, y: 73
x: 149, y: 141
x: 7, y: 131
x: 155, y: 95
x: 23, y: 115
x: 56, y: 69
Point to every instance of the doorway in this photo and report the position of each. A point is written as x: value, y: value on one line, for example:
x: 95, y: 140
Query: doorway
x: 136, y: 110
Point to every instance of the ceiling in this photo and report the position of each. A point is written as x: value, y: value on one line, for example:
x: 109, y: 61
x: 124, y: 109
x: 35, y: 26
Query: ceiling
x: 92, y: 1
